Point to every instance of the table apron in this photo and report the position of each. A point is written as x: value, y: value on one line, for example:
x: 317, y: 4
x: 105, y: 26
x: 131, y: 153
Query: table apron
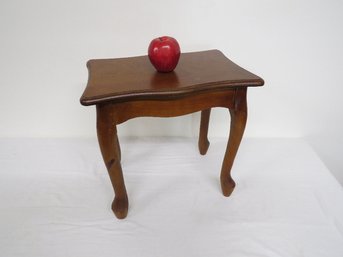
x: 121, y: 112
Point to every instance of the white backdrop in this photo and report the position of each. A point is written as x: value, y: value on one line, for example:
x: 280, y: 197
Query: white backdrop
x: 296, y: 46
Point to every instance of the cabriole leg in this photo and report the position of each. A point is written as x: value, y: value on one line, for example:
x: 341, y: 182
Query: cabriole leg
x: 238, y: 120
x: 110, y: 149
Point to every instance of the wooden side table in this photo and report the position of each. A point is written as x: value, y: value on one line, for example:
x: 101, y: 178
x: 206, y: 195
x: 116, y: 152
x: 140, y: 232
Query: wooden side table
x: 126, y: 88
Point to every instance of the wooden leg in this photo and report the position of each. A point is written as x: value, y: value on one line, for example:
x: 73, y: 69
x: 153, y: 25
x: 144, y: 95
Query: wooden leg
x: 238, y: 121
x: 117, y: 145
x: 110, y: 149
x: 203, y: 140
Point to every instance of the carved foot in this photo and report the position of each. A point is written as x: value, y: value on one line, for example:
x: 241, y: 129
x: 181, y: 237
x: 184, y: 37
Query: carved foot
x: 120, y: 207
x: 203, y: 146
x: 228, y: 185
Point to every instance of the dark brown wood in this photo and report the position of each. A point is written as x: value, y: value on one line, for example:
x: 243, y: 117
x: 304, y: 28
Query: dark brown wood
x: 203, y: 143
x: 124, y: 111
x: 124, y: 79
x: 238, y: 120
x: 126, y: 88
x: 110, y: 149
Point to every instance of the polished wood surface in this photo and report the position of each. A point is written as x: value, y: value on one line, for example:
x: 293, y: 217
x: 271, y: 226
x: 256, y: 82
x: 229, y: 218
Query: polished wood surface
x: 135, y: 78
x: 204, y: 80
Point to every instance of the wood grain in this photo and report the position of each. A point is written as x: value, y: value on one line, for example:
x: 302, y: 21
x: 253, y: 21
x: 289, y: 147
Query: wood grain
x: 124, y: 79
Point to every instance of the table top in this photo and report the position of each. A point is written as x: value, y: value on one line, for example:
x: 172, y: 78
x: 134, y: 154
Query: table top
x: 134, y: 78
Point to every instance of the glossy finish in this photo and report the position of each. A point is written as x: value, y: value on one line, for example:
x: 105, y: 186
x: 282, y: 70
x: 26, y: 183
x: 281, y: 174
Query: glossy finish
x: 125, y: 79
x: 203, y: 81
x: 164, y: 53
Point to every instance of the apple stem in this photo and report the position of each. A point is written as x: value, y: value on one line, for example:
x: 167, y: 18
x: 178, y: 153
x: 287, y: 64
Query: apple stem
x: 160, y: 39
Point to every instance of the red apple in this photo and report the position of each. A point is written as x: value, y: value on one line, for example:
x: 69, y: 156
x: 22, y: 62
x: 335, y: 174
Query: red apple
x: 164, y: 53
